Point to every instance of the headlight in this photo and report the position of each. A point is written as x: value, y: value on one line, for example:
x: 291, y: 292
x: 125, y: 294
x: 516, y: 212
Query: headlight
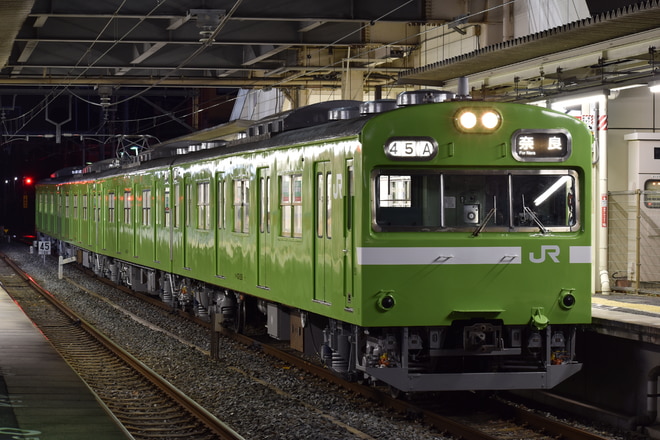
x: 490, y: 120
x: 467, y: 120
x: 478, y: 120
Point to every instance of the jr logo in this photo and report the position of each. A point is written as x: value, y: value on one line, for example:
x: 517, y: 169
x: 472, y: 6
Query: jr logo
x: 337, y: 187
x: 551, y: 251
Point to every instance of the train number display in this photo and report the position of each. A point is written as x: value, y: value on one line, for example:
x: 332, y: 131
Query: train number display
x: 411, y: 148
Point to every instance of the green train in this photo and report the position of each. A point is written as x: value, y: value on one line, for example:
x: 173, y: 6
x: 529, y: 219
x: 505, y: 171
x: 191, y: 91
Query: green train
x: 427, y: 243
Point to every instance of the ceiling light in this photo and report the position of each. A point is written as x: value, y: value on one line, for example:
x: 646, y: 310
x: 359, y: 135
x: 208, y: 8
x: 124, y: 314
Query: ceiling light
x: 654, y: 86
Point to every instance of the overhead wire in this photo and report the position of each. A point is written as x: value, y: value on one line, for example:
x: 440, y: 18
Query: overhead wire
x: 336, y: 64
x: 207, y: 43
x: 34, y: 112
x: 288, y: 79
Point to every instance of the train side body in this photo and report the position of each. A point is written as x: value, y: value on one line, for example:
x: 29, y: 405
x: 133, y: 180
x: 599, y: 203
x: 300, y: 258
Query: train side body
x: 415, y: 251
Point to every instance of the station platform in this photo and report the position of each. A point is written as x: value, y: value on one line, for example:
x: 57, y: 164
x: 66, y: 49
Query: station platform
x: 627, y: 316
x: 41, y: 397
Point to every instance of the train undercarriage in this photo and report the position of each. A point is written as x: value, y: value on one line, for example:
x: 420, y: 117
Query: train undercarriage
x: 468, y: 355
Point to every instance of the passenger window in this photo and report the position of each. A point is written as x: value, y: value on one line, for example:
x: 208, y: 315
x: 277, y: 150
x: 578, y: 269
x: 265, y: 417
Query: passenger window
x: 146, y: 207
x: 111, y: 207
x: 128, y: 203
x: 242, y: 205
x: 203, y: 205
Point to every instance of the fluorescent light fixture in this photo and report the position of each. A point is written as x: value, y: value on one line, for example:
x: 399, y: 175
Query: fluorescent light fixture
x: 631, y: 86
x: 654, y: 86
x: 550, y: 191
x: 577, y: 100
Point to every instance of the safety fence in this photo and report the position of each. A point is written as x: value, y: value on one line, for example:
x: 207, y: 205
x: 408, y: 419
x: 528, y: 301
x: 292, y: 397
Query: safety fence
x: 634, y: 241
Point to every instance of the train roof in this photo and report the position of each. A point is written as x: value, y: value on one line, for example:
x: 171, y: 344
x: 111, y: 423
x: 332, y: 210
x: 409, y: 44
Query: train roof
x: 313, y: 123
x: 180, y: 153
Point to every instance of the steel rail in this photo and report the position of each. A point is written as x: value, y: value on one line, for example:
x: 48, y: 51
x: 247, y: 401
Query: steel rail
x: 439, y: 422
x: 223, y: 431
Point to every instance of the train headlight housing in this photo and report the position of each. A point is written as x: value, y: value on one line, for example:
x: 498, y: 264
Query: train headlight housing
x: 566, y: 299
x: 478, y: 120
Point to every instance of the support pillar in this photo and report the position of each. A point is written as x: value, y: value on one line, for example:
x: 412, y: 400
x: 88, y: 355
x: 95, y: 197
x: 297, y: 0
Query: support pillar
x: 352, y: 85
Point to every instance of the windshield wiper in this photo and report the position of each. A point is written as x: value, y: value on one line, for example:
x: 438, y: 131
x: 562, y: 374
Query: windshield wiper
x: 528, y: 212
x: 488, y: 217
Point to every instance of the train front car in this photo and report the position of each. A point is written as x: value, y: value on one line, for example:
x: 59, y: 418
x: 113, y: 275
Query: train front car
x: 474, y: 248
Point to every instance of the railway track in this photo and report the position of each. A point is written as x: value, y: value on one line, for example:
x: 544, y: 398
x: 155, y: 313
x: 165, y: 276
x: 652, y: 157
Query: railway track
x: 497, y: 420
x: 143, y: 402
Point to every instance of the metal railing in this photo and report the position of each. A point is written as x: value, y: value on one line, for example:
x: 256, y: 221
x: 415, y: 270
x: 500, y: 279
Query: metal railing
x: 634, y: 241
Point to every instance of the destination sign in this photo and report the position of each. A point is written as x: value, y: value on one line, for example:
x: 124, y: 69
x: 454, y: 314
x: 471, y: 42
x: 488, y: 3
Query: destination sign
x: 552, y: 145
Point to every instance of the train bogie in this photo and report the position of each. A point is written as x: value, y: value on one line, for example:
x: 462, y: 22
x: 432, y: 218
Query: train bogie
x: 442, y: 246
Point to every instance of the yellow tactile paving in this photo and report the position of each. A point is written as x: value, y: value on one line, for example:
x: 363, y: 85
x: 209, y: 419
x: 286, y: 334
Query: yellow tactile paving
x: 626, y: 305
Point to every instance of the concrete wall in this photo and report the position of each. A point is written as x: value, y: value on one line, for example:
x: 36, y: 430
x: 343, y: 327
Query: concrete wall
x: 631, y: 111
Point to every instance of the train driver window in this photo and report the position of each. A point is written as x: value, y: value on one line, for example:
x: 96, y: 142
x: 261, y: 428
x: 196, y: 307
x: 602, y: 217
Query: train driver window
x: 543, y: 200
x: 476, y: 200
x: 408, y: 201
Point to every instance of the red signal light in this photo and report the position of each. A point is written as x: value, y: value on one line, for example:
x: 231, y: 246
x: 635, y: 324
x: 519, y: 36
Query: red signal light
x: 27, y: 181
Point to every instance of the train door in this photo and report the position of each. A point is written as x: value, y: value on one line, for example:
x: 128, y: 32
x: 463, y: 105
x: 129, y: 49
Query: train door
x: 349, y: 200
x: 329, y: 240
x: 221, y: 222
x: 95, y: 209
x: 59, y: 228
x: 263, y: 232
x: 167, y: 219
x: 176, y: 229
x: 111, y: 230
x: 187, y: 219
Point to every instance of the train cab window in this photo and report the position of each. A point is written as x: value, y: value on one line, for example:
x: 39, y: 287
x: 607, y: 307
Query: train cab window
x: 476, y: 200
x: 543, y: 201
x: 408, y: 201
